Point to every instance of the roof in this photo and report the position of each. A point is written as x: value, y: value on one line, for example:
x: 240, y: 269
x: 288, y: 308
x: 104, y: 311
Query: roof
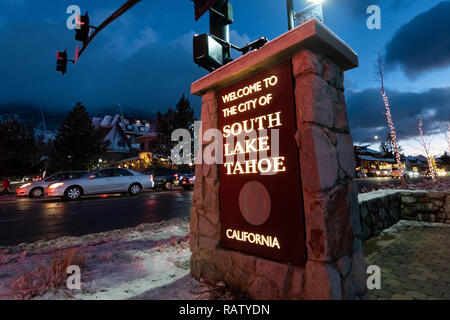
x: 369, y: 158
x: 117, y: 141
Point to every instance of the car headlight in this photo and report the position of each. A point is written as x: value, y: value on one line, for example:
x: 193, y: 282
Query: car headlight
x: 25, y: 185
x: 56, y: 185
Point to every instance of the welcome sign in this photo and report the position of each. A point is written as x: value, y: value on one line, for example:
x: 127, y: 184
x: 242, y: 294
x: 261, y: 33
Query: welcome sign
x: 260, y: 186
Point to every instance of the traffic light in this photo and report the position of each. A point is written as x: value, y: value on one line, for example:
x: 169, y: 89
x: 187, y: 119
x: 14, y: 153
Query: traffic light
x: 208, y: 52
x: 61, y: 61
x: 213, y: 51
x: 82, y: 28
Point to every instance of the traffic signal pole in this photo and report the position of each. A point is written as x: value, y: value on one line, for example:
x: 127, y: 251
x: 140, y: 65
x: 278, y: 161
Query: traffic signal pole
x: 218, y: 26
x: 127, y: 6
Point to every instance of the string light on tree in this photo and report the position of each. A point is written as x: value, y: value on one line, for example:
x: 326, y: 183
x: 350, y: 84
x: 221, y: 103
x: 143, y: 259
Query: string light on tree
x: 389, y: 118
x: 430, y: 158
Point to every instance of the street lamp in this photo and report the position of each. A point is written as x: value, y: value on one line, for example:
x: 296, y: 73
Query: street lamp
x: 310, y: 12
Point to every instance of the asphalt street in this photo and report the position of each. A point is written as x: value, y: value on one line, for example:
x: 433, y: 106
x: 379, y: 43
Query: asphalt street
x: 30, y: 220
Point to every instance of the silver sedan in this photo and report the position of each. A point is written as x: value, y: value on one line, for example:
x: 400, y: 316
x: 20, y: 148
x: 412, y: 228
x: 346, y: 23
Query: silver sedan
x: 103, y: 181
x: 37, y: 189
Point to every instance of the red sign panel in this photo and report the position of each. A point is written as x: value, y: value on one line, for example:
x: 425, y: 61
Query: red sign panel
x: 260, y: 189
x: 201, y: 6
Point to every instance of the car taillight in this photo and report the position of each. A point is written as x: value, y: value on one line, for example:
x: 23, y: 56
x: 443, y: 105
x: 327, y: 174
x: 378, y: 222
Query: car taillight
x: 176, y: 176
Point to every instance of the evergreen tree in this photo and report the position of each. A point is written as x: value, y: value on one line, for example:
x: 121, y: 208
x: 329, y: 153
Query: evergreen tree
x: 17, y: 148
x: 165, y: 126
x: 77, y: 146
x: 387, y: 147
x: 184, y: 115
x: 180, y: 118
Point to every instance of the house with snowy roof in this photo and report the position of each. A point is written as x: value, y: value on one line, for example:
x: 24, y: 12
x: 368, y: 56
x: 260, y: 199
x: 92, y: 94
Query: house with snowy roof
x: 127, y: 138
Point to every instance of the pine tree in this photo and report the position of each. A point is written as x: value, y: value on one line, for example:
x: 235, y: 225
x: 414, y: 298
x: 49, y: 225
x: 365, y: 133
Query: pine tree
x: 77, y: 146
x: 17, y: 148
x: 182, y: 117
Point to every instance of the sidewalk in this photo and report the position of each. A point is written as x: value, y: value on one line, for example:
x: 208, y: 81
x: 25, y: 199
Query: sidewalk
x: 414, y: 260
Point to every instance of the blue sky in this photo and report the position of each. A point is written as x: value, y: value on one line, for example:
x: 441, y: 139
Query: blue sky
x: 144, y: 59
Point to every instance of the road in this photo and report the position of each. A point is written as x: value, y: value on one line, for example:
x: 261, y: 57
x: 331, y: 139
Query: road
x: 27, y: 220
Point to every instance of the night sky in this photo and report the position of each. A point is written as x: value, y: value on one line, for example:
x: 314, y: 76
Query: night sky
x: 144, y: 59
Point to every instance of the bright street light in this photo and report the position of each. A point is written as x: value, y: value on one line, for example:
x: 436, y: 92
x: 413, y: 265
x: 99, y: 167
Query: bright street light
x: 310, y: 12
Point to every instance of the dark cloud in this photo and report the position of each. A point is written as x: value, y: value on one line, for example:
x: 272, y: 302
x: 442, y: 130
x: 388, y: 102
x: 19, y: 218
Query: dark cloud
x: 367, y: 117
x: 148, y: 75
x: 422, y: 44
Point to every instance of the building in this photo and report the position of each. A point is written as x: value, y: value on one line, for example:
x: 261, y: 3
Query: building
x: 372, y: 162
x: 131, y: 141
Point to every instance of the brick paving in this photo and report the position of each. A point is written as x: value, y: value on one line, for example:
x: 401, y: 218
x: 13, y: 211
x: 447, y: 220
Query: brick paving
x: 414, y: 258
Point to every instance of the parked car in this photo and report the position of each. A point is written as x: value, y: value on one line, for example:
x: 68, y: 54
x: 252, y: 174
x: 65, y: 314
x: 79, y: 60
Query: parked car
x: 103, y: 181
x: 360, y: 174
x: 162, y: 177
x: 32, y: 178
x: 182, y: 173
x: 395, y: 173
x: 188, y: 181
x: 37, y: 189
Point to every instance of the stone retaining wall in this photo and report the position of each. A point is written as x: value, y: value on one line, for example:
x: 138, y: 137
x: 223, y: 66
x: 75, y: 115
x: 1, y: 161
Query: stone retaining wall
x: 428, y: 207
x: 384, y: 209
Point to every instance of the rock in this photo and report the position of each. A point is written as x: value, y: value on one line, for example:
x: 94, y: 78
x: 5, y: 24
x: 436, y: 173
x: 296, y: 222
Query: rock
x: 262, y: 289
x: 437, y: 203
x: 313, y: 101
x: 426, y: 207
x: 276, y: 272
x: 343, y: 265
x: 328, y: 278
x: 329, y: 234
x: 306, y: 62
x: 345, y: 154
x: 447, y: 205
x: 409, y: 199
x: 318, y: 160
x: 355, y: 284
x: 295, y: 283
x: 341, y: 120
x: 436, y: 195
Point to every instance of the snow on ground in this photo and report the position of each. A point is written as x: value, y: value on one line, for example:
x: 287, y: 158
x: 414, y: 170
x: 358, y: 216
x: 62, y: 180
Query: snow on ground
x: 150, y: 261
x: 362, y: 197
x: 441, y: 185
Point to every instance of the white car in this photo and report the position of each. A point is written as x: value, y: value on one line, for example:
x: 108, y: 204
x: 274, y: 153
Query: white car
x: 37, y: 189
x: 103, y: 181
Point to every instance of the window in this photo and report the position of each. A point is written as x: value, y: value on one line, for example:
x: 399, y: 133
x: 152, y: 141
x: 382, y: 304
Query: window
x: 55, y: 177
x: 122, y: 173
x: 106, y: 173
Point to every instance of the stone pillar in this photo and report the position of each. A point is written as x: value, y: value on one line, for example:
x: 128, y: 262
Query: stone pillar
x: 333, y: 227
x: 335, y: 267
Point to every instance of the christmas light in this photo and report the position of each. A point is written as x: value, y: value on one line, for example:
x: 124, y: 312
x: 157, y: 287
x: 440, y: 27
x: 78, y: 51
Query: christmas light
x: 430, y: 158
x: 390, y: 122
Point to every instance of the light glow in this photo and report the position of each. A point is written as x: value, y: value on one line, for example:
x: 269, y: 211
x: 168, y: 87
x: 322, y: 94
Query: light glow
x: 25, y: 185
x: 56, y: 185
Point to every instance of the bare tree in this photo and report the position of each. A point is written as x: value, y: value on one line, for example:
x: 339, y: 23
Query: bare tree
x: 426, y: 148
x: 380, y: 78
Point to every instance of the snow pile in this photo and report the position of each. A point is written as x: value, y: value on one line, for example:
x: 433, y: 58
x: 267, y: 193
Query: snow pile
x: 441, y: 185
x: 362, y: 197
x: 150, y: 261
